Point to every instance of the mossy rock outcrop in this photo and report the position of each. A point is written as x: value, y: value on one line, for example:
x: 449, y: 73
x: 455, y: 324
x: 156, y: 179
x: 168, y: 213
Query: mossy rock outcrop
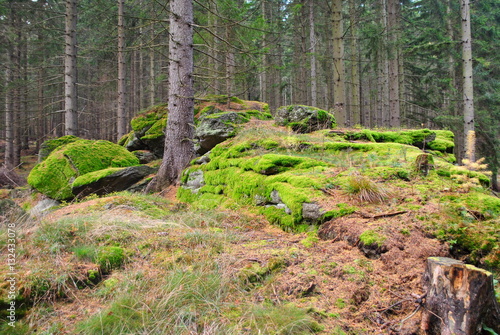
x: 439, y: 142
x: 147, y: 131
x: 55, y: 175
x: 287, y: 177
x: 217, y: 118
x: 304, y: 119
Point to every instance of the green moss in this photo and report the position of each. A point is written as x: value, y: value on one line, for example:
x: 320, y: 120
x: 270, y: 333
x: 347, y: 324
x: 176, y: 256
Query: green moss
x: 110, y: 257
x: 256, y: 273
x: 442, y: 142
x: 268, y: 144
x: 147, y: 119
x: 484, y: 203
x: 459, y: 170
x: 343, y: 210
x: 123, y: 141
x: 158, y: 127
x: 272, y: 163
x: 94, y: 176
x: 55, y: 174
x: 370, y: 237
x: 50, y: 145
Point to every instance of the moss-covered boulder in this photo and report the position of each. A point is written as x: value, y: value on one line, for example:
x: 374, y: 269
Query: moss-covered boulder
x: 217, y: 118
x: 147, y: 131
x: 50, y: 145
x: 110, y: 180
x: 55, y: 175
x: 216, y: 123
x: 304, y: 119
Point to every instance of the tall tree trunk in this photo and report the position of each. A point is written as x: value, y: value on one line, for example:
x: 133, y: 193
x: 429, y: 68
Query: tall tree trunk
x: 152, y: 75
x: 468, y: 96
x: 312, y: 40
x: 70, y: 104
x: 9, y: 119
x: 179, y: 148
x: 393, y: 60
x: 16, y: 101
x: 355, y: 110
x: 229, y: 62
x: 40, y: 129
x: 121, y: 120
x: 338, y: 62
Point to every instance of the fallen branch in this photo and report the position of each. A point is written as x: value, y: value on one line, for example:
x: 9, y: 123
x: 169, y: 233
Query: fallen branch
x: 378, y: 216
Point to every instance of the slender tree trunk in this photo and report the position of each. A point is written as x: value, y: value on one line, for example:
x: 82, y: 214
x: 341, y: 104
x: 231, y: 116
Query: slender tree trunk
x: 229, y: 63
x: 312, y: 40
x: 152, y: 75
x: 40, y: 123
x: 338, y: 62
x: 120, y: 112
x: 393, y: 60
x: 355, y: 110
x: 179, y: 148
x: 9, y: 119
x: 16, y: 101
x: 468, y: 96
x: 70, y: 106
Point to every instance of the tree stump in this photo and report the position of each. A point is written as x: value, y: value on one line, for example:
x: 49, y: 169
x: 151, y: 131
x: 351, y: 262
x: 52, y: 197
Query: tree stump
x: 460, y: 299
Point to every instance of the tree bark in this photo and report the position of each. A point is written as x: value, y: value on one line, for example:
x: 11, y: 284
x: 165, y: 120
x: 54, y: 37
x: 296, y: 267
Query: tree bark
x: 468, y: 93
x: 152, y: 74
x: 460, y: 299
x: 121, y: 122
x: 355, y: 106
x: 70, y: 105
x: 312, y: 41
x: 179, y: 148
x: 338, y: 63
x: 393, y: 60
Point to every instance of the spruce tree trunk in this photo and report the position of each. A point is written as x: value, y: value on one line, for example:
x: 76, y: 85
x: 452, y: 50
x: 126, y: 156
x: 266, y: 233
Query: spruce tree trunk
x: 70, y: 106
x: 468, y: 93
x: 121, y: 124
x: 9, y: 121
x: 393, y: 60
x: 338, y: 63
x: 179, y: 148
x: 152, y: 75
x: 355, y: 106
x: 312, y: 41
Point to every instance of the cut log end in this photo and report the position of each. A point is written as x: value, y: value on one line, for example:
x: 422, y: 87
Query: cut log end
x: 460, y: 299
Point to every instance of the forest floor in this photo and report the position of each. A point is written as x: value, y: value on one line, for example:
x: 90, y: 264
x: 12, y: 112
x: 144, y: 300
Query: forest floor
x: 131, y: 263
x: 333, y: 281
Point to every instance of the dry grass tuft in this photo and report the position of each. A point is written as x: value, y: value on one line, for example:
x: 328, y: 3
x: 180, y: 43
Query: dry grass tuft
x: 366, y: 189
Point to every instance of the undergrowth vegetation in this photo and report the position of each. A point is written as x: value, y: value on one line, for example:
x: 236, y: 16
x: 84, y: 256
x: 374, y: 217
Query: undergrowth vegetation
x: 141, y: 264
x: 147, y: 273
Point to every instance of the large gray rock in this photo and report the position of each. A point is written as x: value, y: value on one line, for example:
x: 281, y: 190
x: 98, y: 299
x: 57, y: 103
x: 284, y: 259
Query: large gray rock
x: 100, y: 182
x: 216, y: 127
x: 312, y: 211
x: 195, y: 181
x: 304, y: 119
